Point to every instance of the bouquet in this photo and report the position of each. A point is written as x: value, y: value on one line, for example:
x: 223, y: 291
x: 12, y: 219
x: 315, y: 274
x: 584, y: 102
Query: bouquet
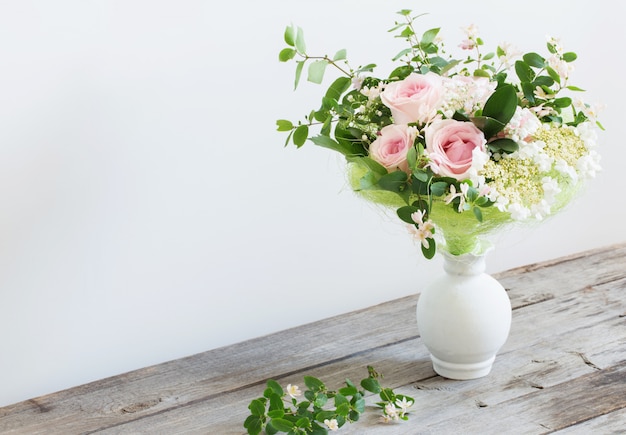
x: 459, y: 147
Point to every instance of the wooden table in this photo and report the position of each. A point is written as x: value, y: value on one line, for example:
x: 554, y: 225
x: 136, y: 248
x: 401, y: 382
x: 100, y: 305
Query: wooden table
x: 563, y: 369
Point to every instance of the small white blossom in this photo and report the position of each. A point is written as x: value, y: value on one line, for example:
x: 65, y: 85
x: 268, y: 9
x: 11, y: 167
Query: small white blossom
x: 565, y: 169
x: 371, y: 93
x: 562, y: 68
x: 385, y: 419
x: 588, y: 133
x: 391, y: 411
x: 541, y: 93
x: 404, y: 405
x: 471, y: 31
x: 522, y: 125
x: 510, y: 54
x: 540, y: 210
x: 589, y: 165
x: 293, y: 391
x: 518, y: 212
x: 332, y: 424
x: 550, y: 189
x: 462, y: 195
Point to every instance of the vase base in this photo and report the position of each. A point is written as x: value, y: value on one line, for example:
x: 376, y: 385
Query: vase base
x: 462, y: 371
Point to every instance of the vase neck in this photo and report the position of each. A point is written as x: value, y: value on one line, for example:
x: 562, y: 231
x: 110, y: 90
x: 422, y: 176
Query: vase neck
x: 466, y: 264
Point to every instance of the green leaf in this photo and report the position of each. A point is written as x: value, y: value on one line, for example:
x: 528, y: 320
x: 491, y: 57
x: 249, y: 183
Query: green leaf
x: 422, y: 204
x: 303, y: 423
x: 543, y: 81
x: 371, y: 385
x: 411, y: 157
x: 478, y: 213
x: 340, y: 55
x: 524, y: 71
x: 276, y: 402
x: 276, y: 413
x: 404, y: 213
x: 343, y: 409
x: 290, y: 35
x: 340, y: 399
x: 481, y: 73
x: 314, y: 384
x: 359, y: 404
x: 343, y: 148
x: 563, y: 102
x: 401, y: 54
x: 388, y: 395
x: 429, y: 252
x: 368, y: 181
x: 438, y: 188
x: 569, y: 56
x: 575, y: 88
x: 318, y: 430
x: 299, y: 44
x: 534, y: 59
x: 257, y: 407
x: 421, y: 175
x: 300, y: 135
x: 366, y: 68
x: 401, y: 72
x: 394, y: 181
x: 347, y: 391
x: 284, y: 125
x: 338, y: 87
x: 489, y: 126
x: 281, y: 424
x: 286, y: 54
x: 552, y: 73
x: 429, y: 36
x: 320, y: 400
x: 504, y: 145
x: 370, y: 164
x: 472, y: 194
x: 253, y: 424
x: 500, y: 106
x: 299, y: 67
x: 316, y: 71
x: 324, y: 415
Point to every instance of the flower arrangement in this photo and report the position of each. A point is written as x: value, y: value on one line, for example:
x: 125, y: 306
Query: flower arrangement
x: 459, y: 147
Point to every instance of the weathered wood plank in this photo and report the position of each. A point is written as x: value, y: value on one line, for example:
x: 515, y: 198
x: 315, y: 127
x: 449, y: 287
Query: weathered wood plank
x: 339, y: 343
x: 561, y: 354
x: 613, y: 423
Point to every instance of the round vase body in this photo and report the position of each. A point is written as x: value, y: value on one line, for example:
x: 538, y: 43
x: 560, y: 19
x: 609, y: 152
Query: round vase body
x: 464, y: 317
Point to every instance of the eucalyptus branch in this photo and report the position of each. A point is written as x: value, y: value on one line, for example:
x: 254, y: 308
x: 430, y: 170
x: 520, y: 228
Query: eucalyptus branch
x: 330, y: 62
x: 281, y: 410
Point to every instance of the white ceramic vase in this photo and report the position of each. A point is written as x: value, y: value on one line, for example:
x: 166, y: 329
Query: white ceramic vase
x: 464, y: 318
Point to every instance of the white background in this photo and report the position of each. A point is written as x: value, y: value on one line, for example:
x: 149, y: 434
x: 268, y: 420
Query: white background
x: 148, y: 208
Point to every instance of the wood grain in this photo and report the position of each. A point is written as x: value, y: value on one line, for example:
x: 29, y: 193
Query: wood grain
x: 562, y: 368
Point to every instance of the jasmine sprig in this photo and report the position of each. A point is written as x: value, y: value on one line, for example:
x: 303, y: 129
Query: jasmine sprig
x: 321, y: 410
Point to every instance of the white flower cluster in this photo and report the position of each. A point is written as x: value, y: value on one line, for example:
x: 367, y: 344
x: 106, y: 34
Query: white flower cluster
x: 465, y: 94
x: 527, y: 182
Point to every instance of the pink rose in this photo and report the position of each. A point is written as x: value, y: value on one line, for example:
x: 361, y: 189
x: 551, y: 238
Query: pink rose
x: 414, y: 99
x: 390, y: 148
x: 450, y: 145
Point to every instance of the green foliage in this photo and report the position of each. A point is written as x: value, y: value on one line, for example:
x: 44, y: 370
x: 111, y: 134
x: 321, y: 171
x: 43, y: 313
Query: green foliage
x: 322, y: 407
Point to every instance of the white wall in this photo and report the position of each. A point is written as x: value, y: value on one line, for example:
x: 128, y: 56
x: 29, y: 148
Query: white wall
x: 149, y: 211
